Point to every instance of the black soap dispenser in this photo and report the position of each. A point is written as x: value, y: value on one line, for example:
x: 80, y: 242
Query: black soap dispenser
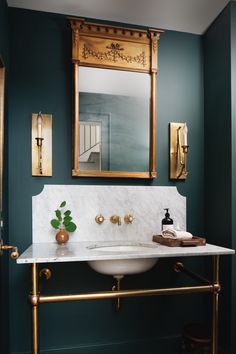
x: 167, y: 222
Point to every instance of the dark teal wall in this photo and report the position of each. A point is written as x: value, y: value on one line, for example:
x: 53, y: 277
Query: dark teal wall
x: 233, y: 212
x: 217, y: 88
x: 4, y: 323
x: 3, y: 30
x: 180, y: 99
x: 220, y: 134
x: 41, y: 79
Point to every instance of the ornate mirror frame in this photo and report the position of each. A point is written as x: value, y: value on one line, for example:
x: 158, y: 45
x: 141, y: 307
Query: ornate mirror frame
x: 99, y: 46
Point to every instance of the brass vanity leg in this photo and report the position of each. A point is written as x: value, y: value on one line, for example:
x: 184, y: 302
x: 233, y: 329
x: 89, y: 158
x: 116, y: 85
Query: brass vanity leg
x: 215, y: 304
x: 34, y: 303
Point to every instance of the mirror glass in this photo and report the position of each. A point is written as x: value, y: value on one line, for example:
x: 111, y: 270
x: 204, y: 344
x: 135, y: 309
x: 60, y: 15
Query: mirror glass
x: 114, y: 120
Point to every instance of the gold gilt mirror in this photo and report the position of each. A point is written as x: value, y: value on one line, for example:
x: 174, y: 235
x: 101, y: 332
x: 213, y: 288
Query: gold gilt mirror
x: 114, y: 100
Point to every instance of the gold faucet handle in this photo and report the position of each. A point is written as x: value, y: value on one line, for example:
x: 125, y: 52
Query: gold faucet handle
x: 99, y: 219
x: 115, y: 219
x: 128, y: 219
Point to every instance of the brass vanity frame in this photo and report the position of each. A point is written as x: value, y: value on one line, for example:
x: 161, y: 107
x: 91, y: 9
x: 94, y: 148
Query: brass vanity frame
x: 117, y: 48
x: 209, y: 286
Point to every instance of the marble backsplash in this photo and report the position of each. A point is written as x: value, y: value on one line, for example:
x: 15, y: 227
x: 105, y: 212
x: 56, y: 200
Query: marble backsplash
x: 146, y: 204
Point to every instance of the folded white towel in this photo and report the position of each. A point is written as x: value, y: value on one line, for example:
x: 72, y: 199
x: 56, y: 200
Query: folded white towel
x: 171, y: 233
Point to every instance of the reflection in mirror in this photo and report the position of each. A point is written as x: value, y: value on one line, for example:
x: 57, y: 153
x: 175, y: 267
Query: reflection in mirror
x: 90, y: 144
x: 114, y: 124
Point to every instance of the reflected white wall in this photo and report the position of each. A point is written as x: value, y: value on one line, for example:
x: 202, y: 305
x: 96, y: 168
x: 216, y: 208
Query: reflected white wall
x: 114, y: 82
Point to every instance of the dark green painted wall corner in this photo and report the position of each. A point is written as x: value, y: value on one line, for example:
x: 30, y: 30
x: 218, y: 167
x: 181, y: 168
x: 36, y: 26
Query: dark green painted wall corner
x: 4, y: 277
x: 220, y: 168
x: 233, y: 159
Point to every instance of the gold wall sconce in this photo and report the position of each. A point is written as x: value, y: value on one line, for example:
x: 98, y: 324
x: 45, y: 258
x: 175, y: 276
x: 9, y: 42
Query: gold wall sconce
x: 41, y: 144
x: 178, y: 150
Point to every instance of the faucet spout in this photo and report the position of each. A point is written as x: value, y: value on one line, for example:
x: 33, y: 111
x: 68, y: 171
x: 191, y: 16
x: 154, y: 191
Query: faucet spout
x: 115, y: 219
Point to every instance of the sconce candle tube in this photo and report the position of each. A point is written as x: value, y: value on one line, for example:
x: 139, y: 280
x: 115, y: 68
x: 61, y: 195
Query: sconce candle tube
x: 185, y: 133
x: 39, y: 125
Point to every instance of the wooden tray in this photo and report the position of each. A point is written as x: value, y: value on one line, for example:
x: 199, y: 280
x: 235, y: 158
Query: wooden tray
x: 195, y: 241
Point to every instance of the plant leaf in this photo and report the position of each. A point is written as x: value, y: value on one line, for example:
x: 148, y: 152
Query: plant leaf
x: 67, y: 220
x: 55, y: 223
x: 63, y: 204
x: 67, y: 213
x: 71, y: 227
x: 58, y: 214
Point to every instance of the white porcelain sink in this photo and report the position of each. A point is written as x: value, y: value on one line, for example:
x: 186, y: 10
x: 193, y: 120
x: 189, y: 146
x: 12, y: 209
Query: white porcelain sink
x: 120, y: 267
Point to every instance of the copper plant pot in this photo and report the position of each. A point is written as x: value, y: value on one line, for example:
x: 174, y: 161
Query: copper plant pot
x: 62, y: 236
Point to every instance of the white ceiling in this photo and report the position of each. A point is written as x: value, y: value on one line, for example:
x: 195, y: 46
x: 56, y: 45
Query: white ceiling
x: 192, y: 16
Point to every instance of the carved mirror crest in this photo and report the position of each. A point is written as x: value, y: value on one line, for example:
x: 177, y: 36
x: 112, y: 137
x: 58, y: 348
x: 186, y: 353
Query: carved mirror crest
x: 114, y: 100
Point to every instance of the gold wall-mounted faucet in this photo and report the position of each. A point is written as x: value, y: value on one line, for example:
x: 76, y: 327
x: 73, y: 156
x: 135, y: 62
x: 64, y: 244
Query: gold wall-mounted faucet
x: 115, y: 219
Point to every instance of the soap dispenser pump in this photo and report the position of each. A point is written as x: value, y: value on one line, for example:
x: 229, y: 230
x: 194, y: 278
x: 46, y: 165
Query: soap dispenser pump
x: 167, y: 222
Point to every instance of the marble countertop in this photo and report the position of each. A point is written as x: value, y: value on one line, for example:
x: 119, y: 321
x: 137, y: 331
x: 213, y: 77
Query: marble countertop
x: 88, y: 251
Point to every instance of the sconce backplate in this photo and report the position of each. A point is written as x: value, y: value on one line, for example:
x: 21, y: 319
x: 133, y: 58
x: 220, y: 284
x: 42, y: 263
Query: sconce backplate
x: 42, y: 154
x: 178, y: 156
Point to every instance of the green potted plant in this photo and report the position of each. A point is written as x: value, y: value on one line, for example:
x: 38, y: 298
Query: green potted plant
x: 63, y: 223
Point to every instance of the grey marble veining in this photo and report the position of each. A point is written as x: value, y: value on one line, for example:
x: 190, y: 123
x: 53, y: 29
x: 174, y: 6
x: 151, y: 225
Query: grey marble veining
x: 81, y: 251
x: 146, y: 204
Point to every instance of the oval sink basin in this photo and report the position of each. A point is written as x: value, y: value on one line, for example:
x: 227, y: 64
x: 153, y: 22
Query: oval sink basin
x: 139, y: 247
x: 121, y: 267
